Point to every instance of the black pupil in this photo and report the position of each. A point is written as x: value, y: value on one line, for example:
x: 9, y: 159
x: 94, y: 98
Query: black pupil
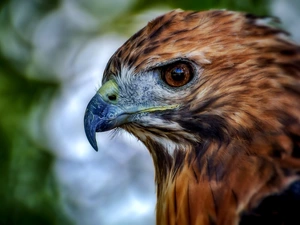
x: 177, y: 74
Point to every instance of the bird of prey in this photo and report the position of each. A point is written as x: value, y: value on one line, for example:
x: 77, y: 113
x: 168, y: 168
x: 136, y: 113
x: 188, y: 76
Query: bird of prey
x: 215, y: 97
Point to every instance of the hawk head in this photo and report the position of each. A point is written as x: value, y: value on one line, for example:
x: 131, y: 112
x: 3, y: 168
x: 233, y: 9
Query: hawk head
x: 215, y: 93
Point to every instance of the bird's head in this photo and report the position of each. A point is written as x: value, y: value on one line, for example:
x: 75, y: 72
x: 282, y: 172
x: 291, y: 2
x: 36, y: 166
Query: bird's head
x: 215, y: 97
x: 191, y: 76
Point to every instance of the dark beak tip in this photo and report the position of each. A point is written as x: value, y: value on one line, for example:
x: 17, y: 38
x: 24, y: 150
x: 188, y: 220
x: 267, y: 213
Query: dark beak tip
x: 95, y: 148
x: 90, y: 125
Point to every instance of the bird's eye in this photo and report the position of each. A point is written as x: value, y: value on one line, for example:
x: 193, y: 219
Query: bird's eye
x: 177, y: 75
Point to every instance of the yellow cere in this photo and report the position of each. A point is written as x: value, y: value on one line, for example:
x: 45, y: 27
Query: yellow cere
x: 109, y: 88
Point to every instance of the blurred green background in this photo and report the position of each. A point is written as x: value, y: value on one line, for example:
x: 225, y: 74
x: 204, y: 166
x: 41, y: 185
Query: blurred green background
x: 52, y: 54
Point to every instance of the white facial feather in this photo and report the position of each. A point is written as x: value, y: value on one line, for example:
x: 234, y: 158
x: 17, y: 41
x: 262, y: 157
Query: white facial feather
x: 146, y: 90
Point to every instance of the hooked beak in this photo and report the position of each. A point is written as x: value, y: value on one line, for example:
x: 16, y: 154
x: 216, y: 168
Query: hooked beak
x: 104, y: 112
x: 101, y: 116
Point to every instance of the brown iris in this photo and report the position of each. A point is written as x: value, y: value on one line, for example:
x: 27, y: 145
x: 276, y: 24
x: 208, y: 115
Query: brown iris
x: 177, y: 75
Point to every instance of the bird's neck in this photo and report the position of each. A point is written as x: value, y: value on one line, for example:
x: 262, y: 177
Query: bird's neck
x: 208, y: 183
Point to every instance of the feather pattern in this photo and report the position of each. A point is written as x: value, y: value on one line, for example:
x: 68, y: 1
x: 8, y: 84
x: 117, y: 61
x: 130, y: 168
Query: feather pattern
x: 234, y: 144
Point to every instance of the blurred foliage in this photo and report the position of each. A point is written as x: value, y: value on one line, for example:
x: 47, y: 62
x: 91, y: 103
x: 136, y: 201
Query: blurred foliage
x: 27, y: 189
x: 252, y: 6
x: 27, y: 192
x: 3, y: 3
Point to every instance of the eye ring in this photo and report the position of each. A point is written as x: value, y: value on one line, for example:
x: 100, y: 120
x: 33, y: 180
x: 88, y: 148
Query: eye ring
x: 177, y: 74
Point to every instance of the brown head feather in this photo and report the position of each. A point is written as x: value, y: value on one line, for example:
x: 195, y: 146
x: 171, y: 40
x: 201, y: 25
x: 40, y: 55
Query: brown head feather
x: 243, y: 114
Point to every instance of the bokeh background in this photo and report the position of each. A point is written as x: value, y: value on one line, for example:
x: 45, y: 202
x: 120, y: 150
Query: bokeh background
x: 52, y: 55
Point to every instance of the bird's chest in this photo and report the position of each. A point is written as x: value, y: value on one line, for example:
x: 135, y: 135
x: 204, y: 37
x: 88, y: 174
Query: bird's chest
x: 196, y: 197
x: 191, y: 200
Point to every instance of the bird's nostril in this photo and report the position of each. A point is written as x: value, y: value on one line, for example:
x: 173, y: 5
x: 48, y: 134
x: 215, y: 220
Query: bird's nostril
x: 112, y: 97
